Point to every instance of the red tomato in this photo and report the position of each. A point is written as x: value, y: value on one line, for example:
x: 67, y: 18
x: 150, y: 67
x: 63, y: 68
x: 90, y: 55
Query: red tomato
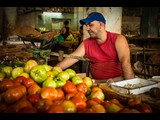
x: 60, y: 95
x: 20, y: 79
x: 28, y: 109
x: 106, y: 103
x: 81, y: 96
x: 5, y: 84
x: 90, y: 103
x: 33, y: 98
x: 98, y: 108
x: 21, y: 104
x: 49, y: 93
x: 69, y: 87
x: 33, y: 89
x: 69, y: 106
x: 27, y: 82
x: 56, y: 108
x: 43, y: 105
x: 82, y: 87
x: 80, y: 103
x: 69, y: 96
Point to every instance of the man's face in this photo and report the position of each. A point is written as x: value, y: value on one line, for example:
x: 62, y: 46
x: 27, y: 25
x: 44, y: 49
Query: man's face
x: 93, y: 28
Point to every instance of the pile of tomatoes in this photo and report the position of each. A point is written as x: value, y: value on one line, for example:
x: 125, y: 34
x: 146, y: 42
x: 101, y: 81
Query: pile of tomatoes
x: 57, y: 91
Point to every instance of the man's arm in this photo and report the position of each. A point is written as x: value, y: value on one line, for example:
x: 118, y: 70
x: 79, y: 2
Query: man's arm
x: 123, y: 52
x: 67, y: 62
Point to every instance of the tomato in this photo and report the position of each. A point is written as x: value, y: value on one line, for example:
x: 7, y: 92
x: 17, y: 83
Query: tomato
x: 20, y: 104
x: 7, y: 70
x: 49, y: 93
x: 3, y: 107
x: 16, y: 72
x: 65, y: 75
x: 71, y: 72
x: 29, y: 65
x: 88, y: 81
x: 33, y: 98
x: 82, y: 87
x: 76, y: 80
x: 69, y: 106
x: 90, y: 103
x: 106, y: 103
x: 134, y: 101
x: 2, y: 76
x: 60, y: 82
x: 96, y: 88
x: 97, y: 100
x: 112, y: 108
x: 14, y: 94
x: 49, y: 82
x: 115, y: 101
x: 79, y: 103
x: 50, y: 74
x: 47, y: 67
x: 55, y: 73
x: 81, y: 96
x: 145, y: 108
x: 43, y: 105
x: 97, y: 94
x: 20, y: 79
x: 57, y: 69
x: 26, y: 75
x: 28, y: 109
x: 6, y: 84
x: 27, y: 82
x: 69, y: 87
x: 38, y: 73
x: 86, y: 110
x: 69, y: 96
x: 56, y: 108
x: 98, y: 108
x: 60, y: 95
x: 33, y: 89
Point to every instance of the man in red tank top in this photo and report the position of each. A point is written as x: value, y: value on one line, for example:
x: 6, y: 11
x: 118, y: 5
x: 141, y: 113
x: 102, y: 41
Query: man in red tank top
x: 108, y: 52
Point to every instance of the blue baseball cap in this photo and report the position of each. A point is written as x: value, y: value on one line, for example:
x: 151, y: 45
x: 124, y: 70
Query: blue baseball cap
x: 93, y: 16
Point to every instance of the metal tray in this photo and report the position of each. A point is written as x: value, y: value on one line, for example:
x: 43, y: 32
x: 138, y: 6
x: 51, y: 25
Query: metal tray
x: 133, y: 86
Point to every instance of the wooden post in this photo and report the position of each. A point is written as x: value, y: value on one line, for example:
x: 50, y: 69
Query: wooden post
x: 60, y: 57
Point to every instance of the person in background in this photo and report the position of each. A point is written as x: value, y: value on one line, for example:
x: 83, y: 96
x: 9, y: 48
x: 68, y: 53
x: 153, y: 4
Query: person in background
x: 108, y: 52
x: 64, y: 33
x: 66, y: 30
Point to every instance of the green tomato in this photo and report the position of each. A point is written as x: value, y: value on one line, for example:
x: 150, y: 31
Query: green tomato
x: 71, y: 72
x: 38, y: 73
x: 2, y: 76
x: 17, y: 71
x: 7, y: 70
x: 1, y: 67
x: 64, y: 75
x: 60, y: 82
x: 55, y: 72
x: 76, y: 80
x: 49, y: 82
x: 47, y: 67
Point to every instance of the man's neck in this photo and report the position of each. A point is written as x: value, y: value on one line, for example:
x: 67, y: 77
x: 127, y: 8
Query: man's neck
x: 103, y: 38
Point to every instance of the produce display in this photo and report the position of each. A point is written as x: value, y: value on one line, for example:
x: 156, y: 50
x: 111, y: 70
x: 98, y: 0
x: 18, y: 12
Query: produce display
x: 35, y: 88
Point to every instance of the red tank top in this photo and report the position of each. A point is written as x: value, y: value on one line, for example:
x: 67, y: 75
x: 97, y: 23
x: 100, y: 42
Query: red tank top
x: 103, y: 58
